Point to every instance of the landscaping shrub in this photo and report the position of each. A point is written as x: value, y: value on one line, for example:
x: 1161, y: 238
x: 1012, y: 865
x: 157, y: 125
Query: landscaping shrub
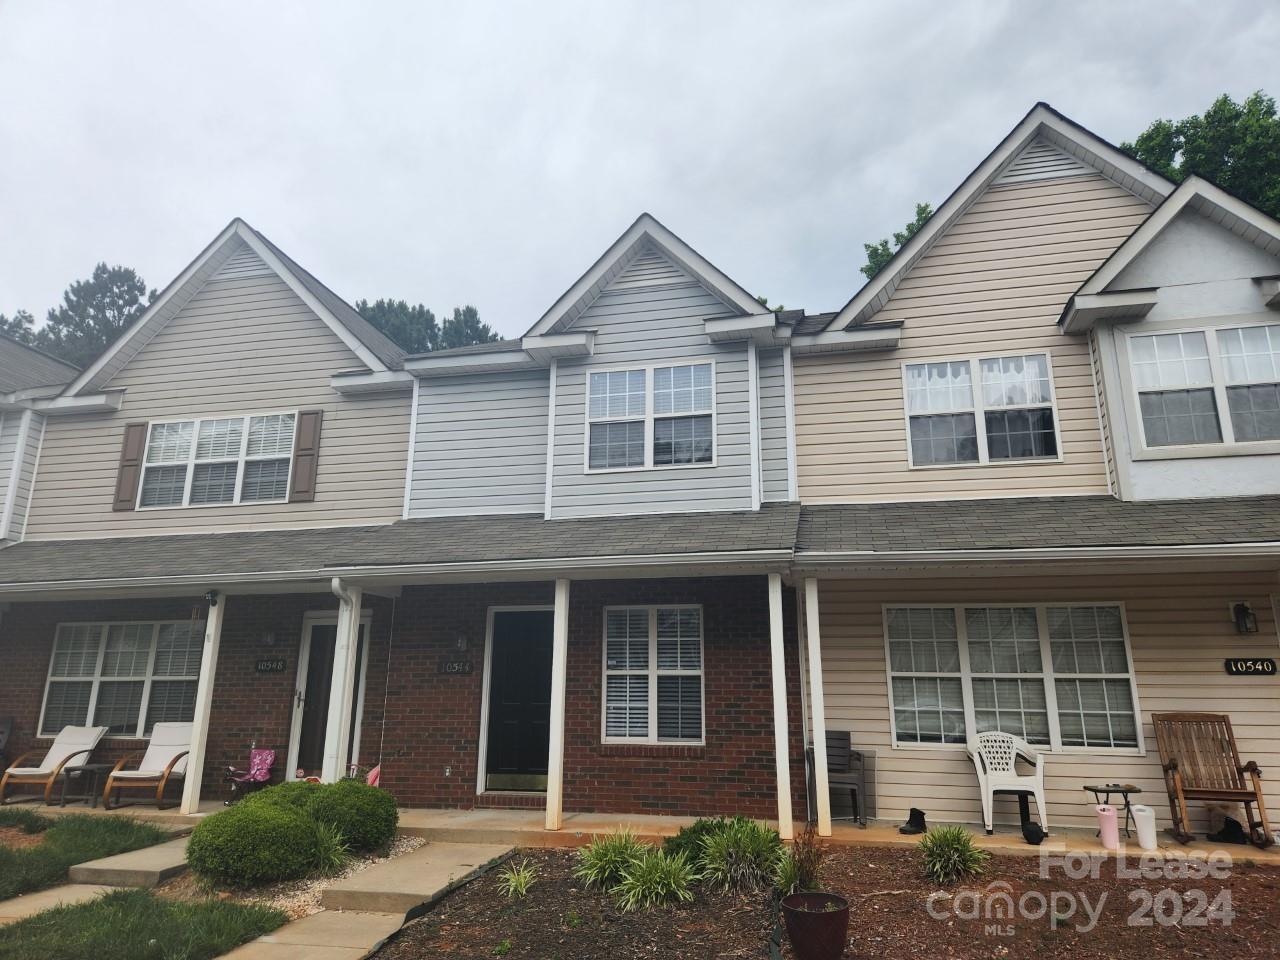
x: 292, y: 793
x: 602, y: 861
x: 134, y: 924
x: 254, y: 843
x: 653, y: 878
x: 67, y: 841
x: 797, y: 868
x: 950, y: 855
x: 365, y: 816
x: 740, y: 855
x: 689, y: 840
x: 332, y: 852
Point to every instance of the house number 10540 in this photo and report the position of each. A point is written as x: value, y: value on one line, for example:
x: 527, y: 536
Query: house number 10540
x: 1251, y: 666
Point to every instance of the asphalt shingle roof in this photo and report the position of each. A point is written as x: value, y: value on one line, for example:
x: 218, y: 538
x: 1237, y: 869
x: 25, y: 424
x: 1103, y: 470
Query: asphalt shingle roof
x: 23, y: 367
x: 1003, y: 524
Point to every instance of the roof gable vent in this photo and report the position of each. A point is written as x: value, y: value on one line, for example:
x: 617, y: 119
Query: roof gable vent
x: 1041, y: 160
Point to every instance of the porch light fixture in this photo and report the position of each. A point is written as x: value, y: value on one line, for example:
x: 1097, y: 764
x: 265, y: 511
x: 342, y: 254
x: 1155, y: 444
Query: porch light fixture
x: 1246, y: 620
x: 269, y: 638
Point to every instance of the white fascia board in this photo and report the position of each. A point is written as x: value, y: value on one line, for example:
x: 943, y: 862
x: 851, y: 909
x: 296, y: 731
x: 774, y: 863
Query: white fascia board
x: 1041, y: 120
x: 760, y: 327
x: 340, y: 330
x: 108, y: 401
x: 22, y: 399
x: 818, y: 559
x: 92, y: 371
x: 1204, y: 198
x: 354, y: 382
x: 646, y: 225
x: 452, y: 366
x: 1085, y: 309
x: 875, y: 336
x: 556, y: 346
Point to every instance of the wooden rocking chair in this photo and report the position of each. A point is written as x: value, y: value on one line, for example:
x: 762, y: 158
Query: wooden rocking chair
x: 1200, y: 762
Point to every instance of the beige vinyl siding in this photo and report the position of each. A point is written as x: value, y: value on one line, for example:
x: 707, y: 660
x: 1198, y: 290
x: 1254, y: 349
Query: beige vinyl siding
x: 1104, y: 418
x: 1180, y: 631
x: 245, y: 343
x: 995, y: 283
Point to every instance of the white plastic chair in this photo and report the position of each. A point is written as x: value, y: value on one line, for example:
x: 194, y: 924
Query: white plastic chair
x: 71, y: 743
x: 994, y: 757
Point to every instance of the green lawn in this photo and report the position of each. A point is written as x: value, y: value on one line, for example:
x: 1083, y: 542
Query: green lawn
x: 136, y: 925
x: 66, y: 841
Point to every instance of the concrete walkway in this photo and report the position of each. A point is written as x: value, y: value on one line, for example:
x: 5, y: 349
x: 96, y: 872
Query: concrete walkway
x: 20, y: 907
x: 363, y: 910
x: 147, y: 867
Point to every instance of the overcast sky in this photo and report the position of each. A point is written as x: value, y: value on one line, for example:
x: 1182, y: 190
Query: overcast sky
x: 483, y: 153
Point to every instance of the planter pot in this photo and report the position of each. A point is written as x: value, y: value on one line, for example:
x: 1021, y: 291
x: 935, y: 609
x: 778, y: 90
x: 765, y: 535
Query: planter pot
x: 817, y: 925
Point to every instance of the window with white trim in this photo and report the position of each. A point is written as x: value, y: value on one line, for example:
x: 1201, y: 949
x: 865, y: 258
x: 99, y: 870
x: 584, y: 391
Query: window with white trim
x: 653, y: 674
x: 218, y: 460
x: 1055, y: 675
x: 1010, y: 417
x: 1211, y: 386
x: 125, y: 676
x: 663, y: 417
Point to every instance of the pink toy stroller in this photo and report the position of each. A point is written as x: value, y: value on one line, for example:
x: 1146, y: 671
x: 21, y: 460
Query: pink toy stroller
x: 244, y: 782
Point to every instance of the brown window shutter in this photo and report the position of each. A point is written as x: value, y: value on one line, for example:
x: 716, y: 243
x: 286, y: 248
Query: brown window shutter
x: 130, y: 475
x: 306, y: 454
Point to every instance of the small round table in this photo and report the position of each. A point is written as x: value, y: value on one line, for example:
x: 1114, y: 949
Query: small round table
x: 1102, y: 794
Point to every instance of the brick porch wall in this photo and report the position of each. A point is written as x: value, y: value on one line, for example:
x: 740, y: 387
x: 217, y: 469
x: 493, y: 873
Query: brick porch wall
x: 429, y: 747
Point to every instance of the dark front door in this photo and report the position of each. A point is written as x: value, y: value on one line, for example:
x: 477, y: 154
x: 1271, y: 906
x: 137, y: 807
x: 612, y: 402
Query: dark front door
x: 315, y: 705
x: 519, y: 701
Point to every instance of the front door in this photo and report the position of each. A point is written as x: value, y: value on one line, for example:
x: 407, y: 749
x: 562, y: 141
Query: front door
x: 519, y: 700
x: 311, y: 701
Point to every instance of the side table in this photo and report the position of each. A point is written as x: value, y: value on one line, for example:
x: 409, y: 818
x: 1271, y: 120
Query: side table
x: 1102, y: 794
x: 90, y: 777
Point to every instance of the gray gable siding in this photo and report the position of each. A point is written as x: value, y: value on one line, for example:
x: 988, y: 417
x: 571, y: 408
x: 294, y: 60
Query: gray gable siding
x: 773, y: 425
x: 481, y: 445
x: 653, y: 313
x: 19, y: 451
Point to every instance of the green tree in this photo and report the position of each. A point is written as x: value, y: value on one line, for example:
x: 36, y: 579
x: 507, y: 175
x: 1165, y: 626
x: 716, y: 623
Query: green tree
x: 413, y: 328
x: 93, y: 313
x: 21, y: 327
x: 878, y: 254
x: 464, y: 328
x: 1236, y: 145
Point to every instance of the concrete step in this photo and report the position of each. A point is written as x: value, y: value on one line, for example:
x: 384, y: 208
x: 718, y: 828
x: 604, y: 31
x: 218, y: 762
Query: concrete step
x: 137, y: 868
x: 328, y: 935
x: 408, y: 885
x: 19, y: 908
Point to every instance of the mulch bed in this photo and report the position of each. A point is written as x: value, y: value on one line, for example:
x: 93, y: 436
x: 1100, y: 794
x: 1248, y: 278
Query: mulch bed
x: 888, y: 916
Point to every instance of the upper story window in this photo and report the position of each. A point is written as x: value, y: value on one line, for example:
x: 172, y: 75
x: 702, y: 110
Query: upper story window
x: 1211, y: 386
x: 218, y: 460
x: 651, y: 417
x: 1009, y: 417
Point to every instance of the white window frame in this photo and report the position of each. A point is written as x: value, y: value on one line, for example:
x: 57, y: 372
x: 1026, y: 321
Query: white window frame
x: 979, y: 409
x: 1229, y: 445
x: 103, y: 627
x: 650, y: 417
x: 242, y: 458
x: 1047, y: 674
x: 653, y: 673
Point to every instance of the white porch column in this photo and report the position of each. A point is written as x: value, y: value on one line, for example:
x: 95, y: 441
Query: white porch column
x: 781, y: 747
x: 817, y: 708
x: 559, y: 667
x: 194, y: 777
x: 342, y: 684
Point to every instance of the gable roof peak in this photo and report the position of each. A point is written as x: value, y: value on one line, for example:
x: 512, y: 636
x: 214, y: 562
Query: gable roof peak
x: 1042, y: 120
x: 646, y: 229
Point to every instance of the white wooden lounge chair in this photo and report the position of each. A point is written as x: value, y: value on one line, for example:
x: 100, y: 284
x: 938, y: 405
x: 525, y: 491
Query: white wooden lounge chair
x: 995, y: 757
x: 165, y: 760
x: 71, y: 745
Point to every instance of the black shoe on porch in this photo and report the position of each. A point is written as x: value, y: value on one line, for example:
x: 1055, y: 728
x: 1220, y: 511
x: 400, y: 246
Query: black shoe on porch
x: 915, y: 823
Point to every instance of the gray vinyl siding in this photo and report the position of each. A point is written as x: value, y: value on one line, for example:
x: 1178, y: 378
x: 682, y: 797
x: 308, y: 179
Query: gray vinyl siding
x: 243, y: 343
x: 653, y: 313
x: 26, y: 465
x: 19, y: 452
x: 481, y: 445
x: 773, y: 425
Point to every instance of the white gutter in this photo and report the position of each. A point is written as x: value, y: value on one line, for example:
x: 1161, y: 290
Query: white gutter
x: 818, y: 558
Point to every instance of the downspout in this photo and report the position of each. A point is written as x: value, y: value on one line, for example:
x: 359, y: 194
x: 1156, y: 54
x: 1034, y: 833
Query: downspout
x: 340, y: 591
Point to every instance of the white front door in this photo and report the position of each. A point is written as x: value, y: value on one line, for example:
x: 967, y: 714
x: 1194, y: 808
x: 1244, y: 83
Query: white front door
x: 311, y: 696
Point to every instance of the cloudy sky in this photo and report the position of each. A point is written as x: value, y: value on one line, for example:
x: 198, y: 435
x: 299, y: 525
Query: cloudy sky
x: 484, y: 153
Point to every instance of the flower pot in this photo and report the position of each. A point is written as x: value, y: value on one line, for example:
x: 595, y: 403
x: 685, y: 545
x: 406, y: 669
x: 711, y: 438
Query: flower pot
x: 817, y: 925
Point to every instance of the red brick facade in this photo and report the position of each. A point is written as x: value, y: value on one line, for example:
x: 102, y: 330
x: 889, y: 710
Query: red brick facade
x: 429, y: 744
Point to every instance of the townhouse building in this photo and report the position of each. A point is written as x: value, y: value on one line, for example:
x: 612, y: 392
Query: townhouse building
x: 641, y: 558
